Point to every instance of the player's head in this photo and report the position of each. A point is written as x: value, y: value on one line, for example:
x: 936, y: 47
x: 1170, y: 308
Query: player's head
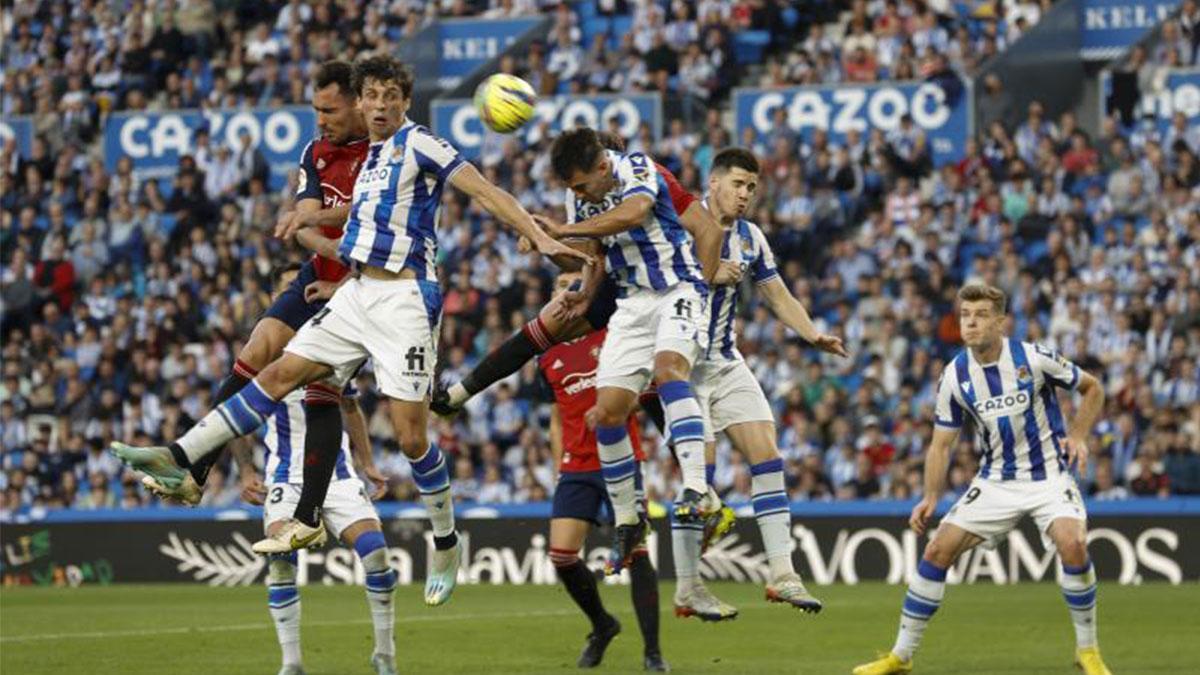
x: 338, y: 116
x: 732, y: 182
x: 565, y: 281
x: 384, y: 88
x: 579, y: 160
x: 282, y: 276
x: 611, y: 141
x: 981, y: 314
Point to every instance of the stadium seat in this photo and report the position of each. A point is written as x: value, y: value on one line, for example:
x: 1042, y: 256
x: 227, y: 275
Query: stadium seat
x: 748, y: 46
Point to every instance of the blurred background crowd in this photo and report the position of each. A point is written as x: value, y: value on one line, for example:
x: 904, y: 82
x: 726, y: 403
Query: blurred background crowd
x: 124, y: 301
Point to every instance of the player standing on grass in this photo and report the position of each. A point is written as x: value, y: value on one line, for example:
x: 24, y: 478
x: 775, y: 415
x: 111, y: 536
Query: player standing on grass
x: 328, y: 168
x: 389, y: 314
x: 347, y: 512
x: 732, y: 399
x: 1005, y: 387
x: 570, y: 370
x: 658, y: 328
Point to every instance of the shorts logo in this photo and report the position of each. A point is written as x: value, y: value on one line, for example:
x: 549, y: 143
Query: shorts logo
x: 1003, y: 405
x: 415, y: 359
x: 683, y: 308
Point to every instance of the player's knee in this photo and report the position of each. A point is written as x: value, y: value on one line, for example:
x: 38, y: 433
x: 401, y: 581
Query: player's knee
x: 562, y: 558
x: 1073, y: 551
x: 938, y: 553
x: 413, y: 443
x: 281, y: 569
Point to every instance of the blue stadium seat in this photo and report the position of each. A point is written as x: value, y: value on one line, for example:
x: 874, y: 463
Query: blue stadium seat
x: 592, y: 27
x: 620, y: 26
x: 749, y: 45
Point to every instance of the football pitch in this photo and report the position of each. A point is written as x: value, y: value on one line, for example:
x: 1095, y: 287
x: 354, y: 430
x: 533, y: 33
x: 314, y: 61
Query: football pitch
x: 180, y: 629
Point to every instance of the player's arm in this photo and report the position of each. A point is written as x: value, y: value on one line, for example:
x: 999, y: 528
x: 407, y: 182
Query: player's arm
x: 253, y: 490
x: 937, y: 464
x: 707, y: 233
x: 792, y: 313
x: 574, y: 302
x: 355, y: 424
x: 508, y: 210
x: 1086, y: 414
x: 625, y: 216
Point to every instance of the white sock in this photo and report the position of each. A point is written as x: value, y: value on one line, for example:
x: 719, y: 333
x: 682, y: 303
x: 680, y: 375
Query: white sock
x: 920, y: 603
x: 686, y: 539
x: 241, y: 414
x: 618, y: 468
x: 283, y: 598
x: 1079, y: 590
x: 685, y: 428
x: 433, y: 481
x: 381, y: 586
x: 774, y: 516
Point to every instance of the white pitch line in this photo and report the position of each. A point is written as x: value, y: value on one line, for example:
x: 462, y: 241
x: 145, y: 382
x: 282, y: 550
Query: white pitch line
x: 265, y: 626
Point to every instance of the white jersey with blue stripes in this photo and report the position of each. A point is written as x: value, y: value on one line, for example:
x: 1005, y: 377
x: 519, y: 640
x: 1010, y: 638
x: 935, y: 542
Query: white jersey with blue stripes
x: 1014, y: 407
x: 284, y: 439
x: 397, y: 202
x: 657, y: 254
x: 746, y: 245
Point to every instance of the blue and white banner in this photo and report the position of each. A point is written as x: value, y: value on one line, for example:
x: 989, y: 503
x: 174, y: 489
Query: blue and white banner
x: 841, y: 108
x: 156, y: 141
x: 18, y: 127
x: 457, y: 121
x: 1109, y: 27
x: 1180, y: 93
x: 467, y: 44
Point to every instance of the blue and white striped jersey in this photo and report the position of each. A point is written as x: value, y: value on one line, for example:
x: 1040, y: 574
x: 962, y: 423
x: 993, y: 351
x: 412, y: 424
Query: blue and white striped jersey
x: 285, y: 444
x: 747, y: 245
x: 397, y: 202
x: 656, y: 255
x: 1015, y: 409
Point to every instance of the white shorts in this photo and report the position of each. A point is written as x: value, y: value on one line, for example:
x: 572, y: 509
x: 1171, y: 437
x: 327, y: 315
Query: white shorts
x: 646, y: 323
x: 991, y: 508
x: 346, y: 503
x: 729, y: 394
x: 392, y: 322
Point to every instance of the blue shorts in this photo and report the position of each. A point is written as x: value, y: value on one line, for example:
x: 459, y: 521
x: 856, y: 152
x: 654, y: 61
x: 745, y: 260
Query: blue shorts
x: 290, y: 307
x: 603, y: 305
x: 582, y: 495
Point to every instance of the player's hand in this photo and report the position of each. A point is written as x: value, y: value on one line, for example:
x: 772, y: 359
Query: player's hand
x: 570, y: 304
x: 561, y: 253
x: 524, y: 245
x: 1077, y: 453
x: 319, y: 290
x: 831, y: 344
x: 376, y: 481
x: 291, y: 222
x: 554, y: 229
x: 728, y: 273
x: 921, y: 514
x: 253, y: 490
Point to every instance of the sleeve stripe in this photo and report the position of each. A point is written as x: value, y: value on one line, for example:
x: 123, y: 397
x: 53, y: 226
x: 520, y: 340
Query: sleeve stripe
x: 767, y: 278
x: 946, y: 424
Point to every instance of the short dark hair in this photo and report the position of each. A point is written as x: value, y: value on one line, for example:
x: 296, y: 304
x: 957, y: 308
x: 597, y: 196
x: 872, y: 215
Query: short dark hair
x: 739, y: 158
x: 382, y: 68
x: 611, y: 141
x: 575, y: 150
x: 279, y: 271
x: 336, y: 72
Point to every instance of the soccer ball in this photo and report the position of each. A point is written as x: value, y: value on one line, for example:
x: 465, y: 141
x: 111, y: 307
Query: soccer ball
x: 504, y: 102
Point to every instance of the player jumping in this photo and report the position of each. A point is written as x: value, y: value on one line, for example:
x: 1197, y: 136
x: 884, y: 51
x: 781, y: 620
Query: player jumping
x: 733, y: 400
x: 1005, y: 387
x: 570, y: 370
x: 658, y: 328
x: 390, y: 314
x: 347, y: 512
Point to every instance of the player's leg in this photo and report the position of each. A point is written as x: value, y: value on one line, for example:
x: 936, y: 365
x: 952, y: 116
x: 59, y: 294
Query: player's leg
x: 577, y: 499
x: 643, y: 589
x: 772, y: 509
x: 283, y: 596
x: 366, y: 538
x: 692, y: 597
x: 167, y: 468
x: 322, y: 447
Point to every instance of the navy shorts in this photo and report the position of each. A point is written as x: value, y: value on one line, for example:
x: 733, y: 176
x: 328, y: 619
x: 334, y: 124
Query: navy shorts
x: 290, y: 306
x: 582, y: 495
x: 603, y: 305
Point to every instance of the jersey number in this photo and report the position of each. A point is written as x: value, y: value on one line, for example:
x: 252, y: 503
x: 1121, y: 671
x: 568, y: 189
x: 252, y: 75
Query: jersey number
x: 276, y: 495
x: 971, y: 495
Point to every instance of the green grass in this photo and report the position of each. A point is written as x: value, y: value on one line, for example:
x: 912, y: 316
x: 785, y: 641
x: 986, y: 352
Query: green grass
x: 180, y: 629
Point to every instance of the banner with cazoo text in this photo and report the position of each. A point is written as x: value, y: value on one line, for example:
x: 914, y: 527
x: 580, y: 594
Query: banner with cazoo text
x: 457, y: 121
x: 1129, y: 549
x: 946, y: 120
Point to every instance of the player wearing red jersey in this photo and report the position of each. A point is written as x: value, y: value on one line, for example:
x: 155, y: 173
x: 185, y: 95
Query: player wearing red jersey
x: 581, y: 499
x: 328, y: 169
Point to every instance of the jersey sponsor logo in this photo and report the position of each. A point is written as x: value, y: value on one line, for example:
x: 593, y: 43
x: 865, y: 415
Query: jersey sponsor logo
x: 1003, y: 405
x: 578, y: 382
x: 374, y: 179
x: 331, y: 196
x: 584, y: 210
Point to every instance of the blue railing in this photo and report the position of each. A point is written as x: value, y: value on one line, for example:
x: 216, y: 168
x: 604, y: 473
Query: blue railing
x: 1175, y: 506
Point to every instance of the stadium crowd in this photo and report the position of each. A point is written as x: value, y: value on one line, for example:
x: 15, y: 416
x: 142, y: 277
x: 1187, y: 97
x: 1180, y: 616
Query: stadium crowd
x: 124, y: 303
